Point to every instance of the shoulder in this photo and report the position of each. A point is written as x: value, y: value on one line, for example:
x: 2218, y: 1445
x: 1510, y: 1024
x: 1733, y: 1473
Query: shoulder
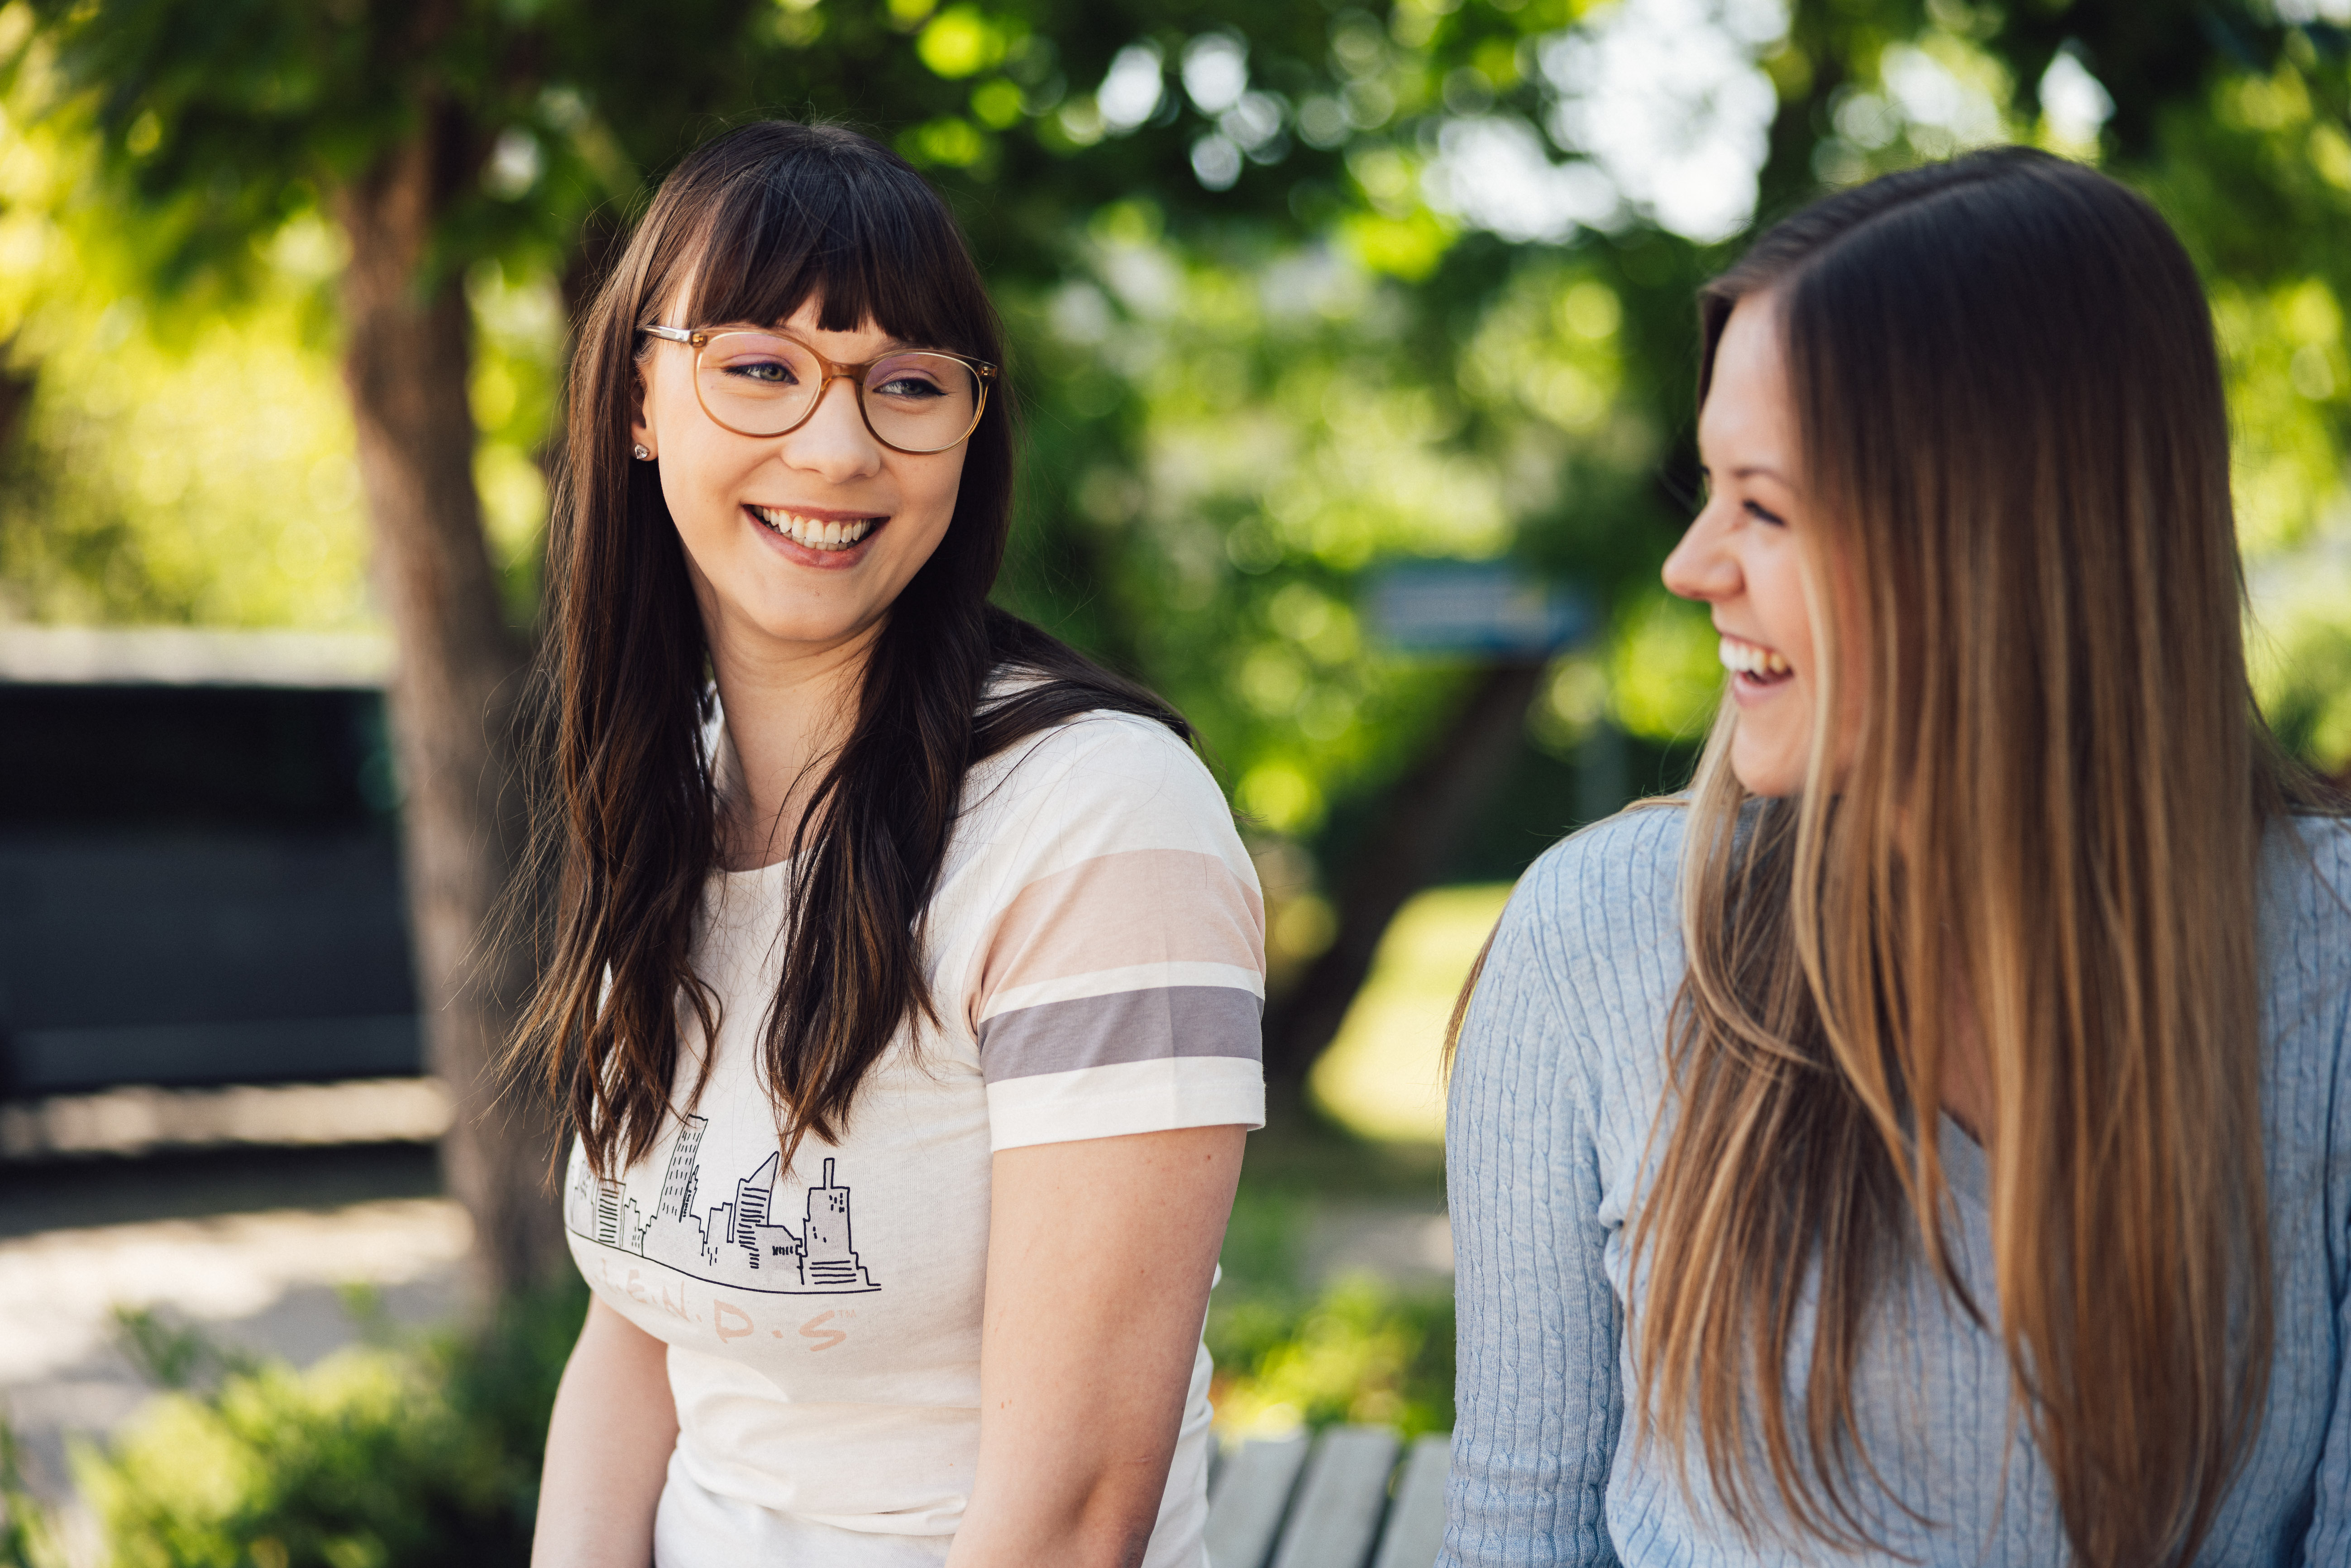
x: 1100, y: 761
x: 2306, y: 928
x: 1119, y: 749
x: 2307, y: 886
x: 1570, y: 1013
x: 1602, y: 898
x: 1101, y: 785
x: 1591, y: 937
x: 2310, y: 855
x: 1101, y: 860
x: 1628, y: 861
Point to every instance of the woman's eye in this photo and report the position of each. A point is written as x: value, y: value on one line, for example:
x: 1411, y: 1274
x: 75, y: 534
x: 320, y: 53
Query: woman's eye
x: 910, y: 386
x: 766, y: 372
x: 1763, y: 515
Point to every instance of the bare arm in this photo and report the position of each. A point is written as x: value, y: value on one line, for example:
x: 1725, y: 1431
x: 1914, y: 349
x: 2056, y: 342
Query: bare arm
x: 1100, y: 1255
x: 608, y: 1449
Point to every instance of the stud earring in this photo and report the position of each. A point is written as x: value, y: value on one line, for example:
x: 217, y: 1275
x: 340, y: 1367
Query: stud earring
x: 643, y: 454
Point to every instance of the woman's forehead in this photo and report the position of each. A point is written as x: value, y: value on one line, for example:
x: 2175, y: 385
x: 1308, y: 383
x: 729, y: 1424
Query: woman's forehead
x: 1748, y: 418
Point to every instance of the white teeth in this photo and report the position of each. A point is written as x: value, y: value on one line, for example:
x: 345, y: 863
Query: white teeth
x: 1750, y: 658
x: 815, y: 533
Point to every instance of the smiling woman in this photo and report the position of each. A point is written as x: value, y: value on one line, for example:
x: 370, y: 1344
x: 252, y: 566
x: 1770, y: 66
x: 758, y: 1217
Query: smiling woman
x: 864, y: 889
x: 1919, y: 1143
x: 862, y: 511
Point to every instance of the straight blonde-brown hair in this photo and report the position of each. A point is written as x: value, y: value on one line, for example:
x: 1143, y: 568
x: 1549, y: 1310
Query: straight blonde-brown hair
x: 2016, y: 457
x: 2016, y: 453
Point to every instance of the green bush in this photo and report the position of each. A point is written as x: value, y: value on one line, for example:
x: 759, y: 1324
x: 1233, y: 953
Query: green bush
x: 1357, y: 1350
x: 27, y: 1537
x: 1361, y: 1350
x: 386, y: 1455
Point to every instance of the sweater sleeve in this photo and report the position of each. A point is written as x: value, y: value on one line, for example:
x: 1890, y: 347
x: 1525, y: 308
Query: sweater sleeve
x: 1539, y: 1401
x: 2328, y: 1539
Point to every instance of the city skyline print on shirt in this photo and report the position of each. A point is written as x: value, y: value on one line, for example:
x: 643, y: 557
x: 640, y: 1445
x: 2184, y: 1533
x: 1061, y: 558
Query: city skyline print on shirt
x: 739, y: 1242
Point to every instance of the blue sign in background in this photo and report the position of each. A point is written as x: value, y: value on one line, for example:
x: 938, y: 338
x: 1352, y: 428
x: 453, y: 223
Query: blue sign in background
x: 1474, y: 607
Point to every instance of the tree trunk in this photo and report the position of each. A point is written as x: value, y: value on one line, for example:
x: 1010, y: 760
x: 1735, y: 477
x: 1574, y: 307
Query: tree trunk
x: 1422, y: 824
x: 453, y: 697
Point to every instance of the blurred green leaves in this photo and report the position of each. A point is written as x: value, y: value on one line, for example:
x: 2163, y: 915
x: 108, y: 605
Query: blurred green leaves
x: 190, y: 459
x: 170, y: 462
x: 1359, y: 1351
x: 960, y: 41
x: 1275, y: 319
x: 1663, y: 671
x: 357, y: 1463
x: 391, y: 1454
x: 1288, y: 1354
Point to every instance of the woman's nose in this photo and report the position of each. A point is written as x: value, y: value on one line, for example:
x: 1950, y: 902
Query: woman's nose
x: 1702, y: 566
x: 834, y: 443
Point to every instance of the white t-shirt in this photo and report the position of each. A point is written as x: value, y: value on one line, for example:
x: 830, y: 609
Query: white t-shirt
x: 1095, y: 949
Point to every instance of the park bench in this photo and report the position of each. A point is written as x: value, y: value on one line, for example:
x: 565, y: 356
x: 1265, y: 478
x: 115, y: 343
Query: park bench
x: 1342, y: 1501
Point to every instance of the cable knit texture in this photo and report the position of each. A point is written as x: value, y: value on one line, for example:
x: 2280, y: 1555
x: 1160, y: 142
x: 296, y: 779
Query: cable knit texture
x: 1561, y: 1075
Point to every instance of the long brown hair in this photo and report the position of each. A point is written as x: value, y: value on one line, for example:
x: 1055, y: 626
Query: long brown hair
x: 759, y: 220
x: 2016, y: 457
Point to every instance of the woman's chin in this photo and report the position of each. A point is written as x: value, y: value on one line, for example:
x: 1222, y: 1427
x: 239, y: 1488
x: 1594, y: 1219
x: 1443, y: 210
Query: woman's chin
x: 793, y: 630
x: 1766, y: 771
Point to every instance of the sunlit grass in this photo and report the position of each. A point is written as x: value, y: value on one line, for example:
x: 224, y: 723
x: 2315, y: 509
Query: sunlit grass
x: 1380, y: 1079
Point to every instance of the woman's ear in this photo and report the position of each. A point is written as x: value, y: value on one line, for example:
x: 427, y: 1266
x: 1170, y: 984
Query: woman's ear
x: 640, y: 432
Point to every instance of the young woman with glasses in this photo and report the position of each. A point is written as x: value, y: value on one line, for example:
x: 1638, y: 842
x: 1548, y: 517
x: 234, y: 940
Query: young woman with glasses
x: 906, y: 967
x: 1928, y: 1140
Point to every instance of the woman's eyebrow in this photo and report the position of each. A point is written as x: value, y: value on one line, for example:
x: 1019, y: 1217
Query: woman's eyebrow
x: 1749, y: 470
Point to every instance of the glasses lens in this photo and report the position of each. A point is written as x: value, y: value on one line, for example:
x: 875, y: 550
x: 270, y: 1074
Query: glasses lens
x: 758, y: 382
x: 921, y: 403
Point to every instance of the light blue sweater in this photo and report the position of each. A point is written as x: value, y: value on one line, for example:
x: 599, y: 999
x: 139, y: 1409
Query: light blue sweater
x: 1560, y: 1073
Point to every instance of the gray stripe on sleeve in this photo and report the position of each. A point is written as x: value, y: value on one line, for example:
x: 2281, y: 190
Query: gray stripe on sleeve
x: 1123, y: 1026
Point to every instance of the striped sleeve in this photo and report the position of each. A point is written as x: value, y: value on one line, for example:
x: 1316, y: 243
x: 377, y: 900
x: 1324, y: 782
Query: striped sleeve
x: 1121, y: 980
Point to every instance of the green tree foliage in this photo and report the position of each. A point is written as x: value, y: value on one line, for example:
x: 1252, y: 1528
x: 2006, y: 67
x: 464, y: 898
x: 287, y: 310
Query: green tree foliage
x: 1295, y: 292
x: 1185, y: 345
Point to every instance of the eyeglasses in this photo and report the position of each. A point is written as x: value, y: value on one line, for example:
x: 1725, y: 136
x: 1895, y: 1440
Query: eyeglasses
x: 762, y: 383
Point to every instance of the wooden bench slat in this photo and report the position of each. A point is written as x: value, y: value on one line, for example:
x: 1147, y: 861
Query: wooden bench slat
x: 1415, y: 1531
x: 1251, y: 1493
x: 1337, y: 1515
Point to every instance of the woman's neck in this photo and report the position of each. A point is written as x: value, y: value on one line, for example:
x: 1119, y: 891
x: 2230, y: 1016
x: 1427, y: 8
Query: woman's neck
x: 787, y: 709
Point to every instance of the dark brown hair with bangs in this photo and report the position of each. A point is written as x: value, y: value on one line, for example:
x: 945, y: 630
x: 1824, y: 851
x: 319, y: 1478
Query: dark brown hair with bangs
x: 748, y: 229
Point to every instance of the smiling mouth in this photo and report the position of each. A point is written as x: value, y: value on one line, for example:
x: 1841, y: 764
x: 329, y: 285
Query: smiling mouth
x: 1762, y: 665
x: 814, y: 533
